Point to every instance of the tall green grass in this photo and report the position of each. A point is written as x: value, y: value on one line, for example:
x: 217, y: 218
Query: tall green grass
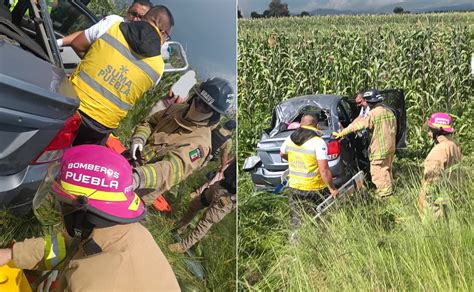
x: 361, y: 244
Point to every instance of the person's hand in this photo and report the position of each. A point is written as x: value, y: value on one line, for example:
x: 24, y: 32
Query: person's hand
x: 5, y: 256
x: 135, y: 146
x: 334, y: 192
x: 60, y: 42
x: 337, y: 135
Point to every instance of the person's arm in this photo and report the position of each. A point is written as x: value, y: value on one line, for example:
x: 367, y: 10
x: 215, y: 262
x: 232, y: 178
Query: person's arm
x: 82, y: 42
x: 176, y: 166
x: 284, y: 150
x: 67, y: 40
x: 35, y: 253
x: 321, y: 153
x: 226, y: 148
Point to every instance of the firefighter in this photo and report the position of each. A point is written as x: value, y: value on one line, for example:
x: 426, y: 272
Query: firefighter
x: 382, y: 124
x: 104, y: 248
x: 443, y: 155
x: 173, y: 143
x: 220, y: 199
x: 309, y: 173
x: 123, y: 61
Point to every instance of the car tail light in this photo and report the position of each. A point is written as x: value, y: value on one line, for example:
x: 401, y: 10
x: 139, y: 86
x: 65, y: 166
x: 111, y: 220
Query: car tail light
x: 61, y: 141
x: 334, y: 149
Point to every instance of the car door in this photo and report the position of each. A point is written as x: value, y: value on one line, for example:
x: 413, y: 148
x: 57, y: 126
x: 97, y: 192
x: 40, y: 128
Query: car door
x: 67, y: 17
x: 395, y: 100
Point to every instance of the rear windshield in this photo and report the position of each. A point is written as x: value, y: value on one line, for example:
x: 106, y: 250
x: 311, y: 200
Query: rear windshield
x: 287, y: 115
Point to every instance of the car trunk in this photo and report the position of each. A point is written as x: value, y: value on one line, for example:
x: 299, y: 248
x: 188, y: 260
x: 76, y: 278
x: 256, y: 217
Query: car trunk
x: 34, y: 103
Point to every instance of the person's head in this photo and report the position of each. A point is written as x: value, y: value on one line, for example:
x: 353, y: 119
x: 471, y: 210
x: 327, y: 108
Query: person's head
x: 138, y: 9
x: 309, y: 119
x: 161, y: 17
x: 373, y: 96
x: 92, y: 187
x: 360, y: 100
x: 440, y: 124
x: 211, y: 99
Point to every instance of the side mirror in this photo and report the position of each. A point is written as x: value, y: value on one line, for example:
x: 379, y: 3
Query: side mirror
x: 174, y: 57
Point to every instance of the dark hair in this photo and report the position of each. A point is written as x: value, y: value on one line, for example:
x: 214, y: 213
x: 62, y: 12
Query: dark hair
x: 230, y: 125
x: 143, y: 2
x: 161, y: 9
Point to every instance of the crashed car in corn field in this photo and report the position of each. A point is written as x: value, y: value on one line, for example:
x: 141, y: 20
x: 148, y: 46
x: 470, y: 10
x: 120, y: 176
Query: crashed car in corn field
x: 345, y: 156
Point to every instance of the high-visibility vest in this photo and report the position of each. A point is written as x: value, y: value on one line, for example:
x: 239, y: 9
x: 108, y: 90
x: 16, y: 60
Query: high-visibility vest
x: 303, y: 165
x: 111, y: 78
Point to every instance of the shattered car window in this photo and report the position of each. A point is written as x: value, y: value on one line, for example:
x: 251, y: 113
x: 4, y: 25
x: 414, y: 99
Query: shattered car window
x: 288, y: 113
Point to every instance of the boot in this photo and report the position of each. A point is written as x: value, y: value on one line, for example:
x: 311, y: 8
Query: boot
x: 176, y: 248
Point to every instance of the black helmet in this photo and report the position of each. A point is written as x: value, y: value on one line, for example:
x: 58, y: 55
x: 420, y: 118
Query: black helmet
x: 217, y: 93
x: 372, y: 96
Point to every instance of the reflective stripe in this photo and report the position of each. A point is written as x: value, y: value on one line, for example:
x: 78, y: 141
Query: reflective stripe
x: 150, y: 176
x: 303, y: 174
x: 104, y: 91
x: 300, y: 150
x: 135, y: 59
x: 176, y: 167
x: 93, y: 193
x: 54, y: 250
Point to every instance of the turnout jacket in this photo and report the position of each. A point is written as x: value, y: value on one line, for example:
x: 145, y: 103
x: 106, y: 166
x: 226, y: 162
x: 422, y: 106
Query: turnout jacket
x: 383, y: 124
x: 443, y: 155
x: 130, y: 260
x: 174, y: 149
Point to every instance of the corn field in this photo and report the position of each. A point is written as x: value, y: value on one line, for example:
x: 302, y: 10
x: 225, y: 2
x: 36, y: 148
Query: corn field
x: 428, y: 56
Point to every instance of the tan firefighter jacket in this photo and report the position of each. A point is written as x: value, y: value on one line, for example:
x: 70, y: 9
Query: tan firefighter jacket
x: 383, y: 124
x: 130, y: 260
x: 174, y: 148
x: 443, y: 155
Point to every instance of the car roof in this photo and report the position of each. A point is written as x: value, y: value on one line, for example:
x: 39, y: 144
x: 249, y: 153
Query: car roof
x: 322, y: 100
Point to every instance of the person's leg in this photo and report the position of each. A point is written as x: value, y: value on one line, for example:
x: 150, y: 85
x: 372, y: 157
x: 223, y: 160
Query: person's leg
x: 293, y: 204
x: 214, y: 214
x: 219, y: 208
x: 381, y: 176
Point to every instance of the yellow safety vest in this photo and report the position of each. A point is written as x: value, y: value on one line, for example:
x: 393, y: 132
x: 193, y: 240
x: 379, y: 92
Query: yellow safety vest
x: 111, y: 78
x: 303, y: 164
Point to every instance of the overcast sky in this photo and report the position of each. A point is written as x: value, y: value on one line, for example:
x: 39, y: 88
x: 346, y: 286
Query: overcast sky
x: 207, y: 29
x: 296, y: 6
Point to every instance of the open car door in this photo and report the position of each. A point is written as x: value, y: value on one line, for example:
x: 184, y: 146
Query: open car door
x: 395, y: 100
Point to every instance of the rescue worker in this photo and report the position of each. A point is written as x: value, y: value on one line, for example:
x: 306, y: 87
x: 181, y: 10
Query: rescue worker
x: 382, y: 124
x: 173, y: 143
x: 444, y: 154
x: 362, y: 103
x: 220, y: 199
x: 221, y: 139
x: 309, y: 173
x: 123, y: 61
x: 104, y: 248
x: 135, y: 12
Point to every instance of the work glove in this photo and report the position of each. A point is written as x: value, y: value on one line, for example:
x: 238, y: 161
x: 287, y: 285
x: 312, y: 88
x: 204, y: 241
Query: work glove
x: 136, y: 146
x: 337, y: 135
x: 60, y: 42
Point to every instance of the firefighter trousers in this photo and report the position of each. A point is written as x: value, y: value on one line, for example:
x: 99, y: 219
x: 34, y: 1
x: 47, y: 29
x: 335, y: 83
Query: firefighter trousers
x: 382, y: 176
x: 217, y: 199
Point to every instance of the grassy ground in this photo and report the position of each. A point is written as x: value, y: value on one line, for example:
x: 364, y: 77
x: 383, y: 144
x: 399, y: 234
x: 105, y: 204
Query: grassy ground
x: 216, y: 252
x: 361, y: 244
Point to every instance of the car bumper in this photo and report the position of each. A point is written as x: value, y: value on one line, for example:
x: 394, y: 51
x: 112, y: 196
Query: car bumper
x: 17, y: 190
x: 268, y: 180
